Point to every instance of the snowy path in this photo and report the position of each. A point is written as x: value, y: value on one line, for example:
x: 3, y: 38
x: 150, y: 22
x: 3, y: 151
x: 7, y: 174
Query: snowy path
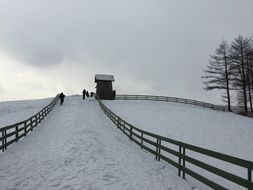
x: 78, y: 147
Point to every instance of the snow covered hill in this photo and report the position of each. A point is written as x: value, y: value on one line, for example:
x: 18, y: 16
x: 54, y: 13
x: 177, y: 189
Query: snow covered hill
x: 224, y: 132
x: 14, y: 111
x: 77, y: 147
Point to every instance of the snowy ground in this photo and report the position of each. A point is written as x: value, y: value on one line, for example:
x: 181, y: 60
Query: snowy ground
x: 77, y: 147
x: 15, y: 111
x: 195, y: 125
x: 224, y: 132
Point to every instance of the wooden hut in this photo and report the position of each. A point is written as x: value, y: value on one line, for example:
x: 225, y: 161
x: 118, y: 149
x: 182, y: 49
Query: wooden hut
x: 104, y: 86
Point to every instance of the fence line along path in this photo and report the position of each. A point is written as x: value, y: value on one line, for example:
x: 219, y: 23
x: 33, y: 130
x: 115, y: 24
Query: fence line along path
x: 170, y: 99
x: 12, y: 133
x: 161, y: 147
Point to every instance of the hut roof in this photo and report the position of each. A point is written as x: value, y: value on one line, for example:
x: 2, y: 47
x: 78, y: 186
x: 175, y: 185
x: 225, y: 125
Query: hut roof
x: 104, y: 78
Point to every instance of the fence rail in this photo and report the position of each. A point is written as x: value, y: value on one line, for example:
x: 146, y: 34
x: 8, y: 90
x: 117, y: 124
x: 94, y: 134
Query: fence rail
x: 170, y: 99
x: 159, y: 146
x: 12, y: 133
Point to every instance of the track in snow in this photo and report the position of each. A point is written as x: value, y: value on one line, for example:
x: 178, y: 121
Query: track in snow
x: 78, y: 147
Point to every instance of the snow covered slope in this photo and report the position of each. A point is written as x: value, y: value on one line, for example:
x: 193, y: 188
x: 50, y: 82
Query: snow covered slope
x: 224, y: 132
x: 77, y: 147
x: 14, y: 111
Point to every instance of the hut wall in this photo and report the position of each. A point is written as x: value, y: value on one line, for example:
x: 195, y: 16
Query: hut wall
x: 104, y: 90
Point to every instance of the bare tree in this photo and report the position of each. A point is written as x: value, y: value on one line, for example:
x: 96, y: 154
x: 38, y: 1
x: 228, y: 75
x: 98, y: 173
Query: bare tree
x: 249, y: 75
x: 238, y: 54
x: 251, y: 68
x: 218, y: 71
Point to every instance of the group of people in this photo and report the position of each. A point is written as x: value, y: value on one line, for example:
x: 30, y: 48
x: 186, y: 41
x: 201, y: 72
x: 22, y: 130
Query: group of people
x: 85, y: 93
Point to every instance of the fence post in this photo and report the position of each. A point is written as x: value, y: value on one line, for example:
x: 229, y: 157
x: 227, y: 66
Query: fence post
x: 156, y: 156
x: 118, y: 122
x: 44, y: 113
x: 249, y: 177
x: 2, y: 141
x: 41, y: 115
x: 184, y: 162
x: 5, y: 140
x: 158, y: 149
x: 25, y: 128
x: 31, y: 122
x: 50, y: 107
x: 16, y: 128
x: 36, y: 119
x: 124, y: 126
x: 131, y: 131
x: 179, y: 161
x: 46, y: 109
x: 141, y: 140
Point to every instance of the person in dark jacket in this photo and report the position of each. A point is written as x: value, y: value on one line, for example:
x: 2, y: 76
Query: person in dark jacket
x: 84, y: 93
x: 87, y: 94
x: 114, y: 94
x: 91, y: 94
x: 61, y: 96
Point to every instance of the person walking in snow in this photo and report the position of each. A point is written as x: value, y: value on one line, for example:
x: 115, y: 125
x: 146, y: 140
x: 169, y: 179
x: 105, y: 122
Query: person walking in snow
x: 84, y: 93
x: 61, y: 96
x: 87, y: 94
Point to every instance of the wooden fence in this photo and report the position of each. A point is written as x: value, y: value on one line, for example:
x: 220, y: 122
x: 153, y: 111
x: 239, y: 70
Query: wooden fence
x: 161, y: 147
x: 14, y: 132
x: 170, y: 99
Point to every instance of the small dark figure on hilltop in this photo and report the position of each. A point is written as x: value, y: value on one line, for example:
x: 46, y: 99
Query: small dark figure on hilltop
x: 114, y: 94
x: 84, y: 93
x: 61, y: 96
x: 87, y: 94
x: 91, y: 94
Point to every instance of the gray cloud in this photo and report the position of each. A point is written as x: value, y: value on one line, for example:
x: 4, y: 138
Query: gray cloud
x: 160, y: 44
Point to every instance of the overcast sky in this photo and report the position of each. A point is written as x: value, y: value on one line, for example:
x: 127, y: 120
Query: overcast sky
x: 150, y: 46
